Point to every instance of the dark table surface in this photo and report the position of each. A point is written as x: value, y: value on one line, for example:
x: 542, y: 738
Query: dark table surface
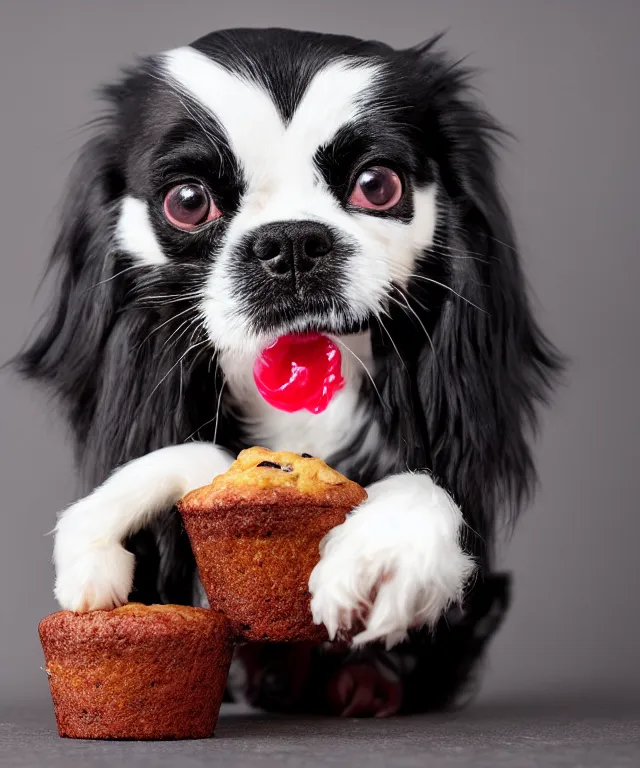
x: 585, y: 733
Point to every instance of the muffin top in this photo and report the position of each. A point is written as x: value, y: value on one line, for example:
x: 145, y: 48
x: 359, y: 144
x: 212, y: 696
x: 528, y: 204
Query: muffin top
x: 132, y: 620
x: 271, y: 476
x: 184, y: 612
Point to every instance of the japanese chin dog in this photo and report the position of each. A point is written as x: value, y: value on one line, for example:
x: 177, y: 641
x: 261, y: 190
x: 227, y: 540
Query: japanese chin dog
x: 259, y: 183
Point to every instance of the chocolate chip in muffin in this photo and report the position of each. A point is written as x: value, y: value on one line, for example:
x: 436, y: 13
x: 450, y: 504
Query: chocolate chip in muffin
x: 306, y: 455
x: 273, y: 465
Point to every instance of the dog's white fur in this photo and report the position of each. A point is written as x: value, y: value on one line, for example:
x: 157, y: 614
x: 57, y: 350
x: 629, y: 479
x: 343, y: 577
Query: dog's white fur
x: 397, y: 561
x: 135, y: 234
x: 283, y: 183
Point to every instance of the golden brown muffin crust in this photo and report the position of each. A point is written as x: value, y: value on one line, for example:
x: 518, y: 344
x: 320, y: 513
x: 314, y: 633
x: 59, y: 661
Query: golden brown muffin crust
x: 133, y: 621
x: 255, y: 533
x: 260, y: 476
x: 137, y: 672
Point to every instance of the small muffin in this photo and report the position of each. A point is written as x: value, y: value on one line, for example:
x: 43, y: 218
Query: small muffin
x: 137, y: 672
x: 255, y: 533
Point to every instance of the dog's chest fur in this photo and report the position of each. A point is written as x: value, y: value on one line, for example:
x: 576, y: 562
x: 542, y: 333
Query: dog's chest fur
x: 345, y: 427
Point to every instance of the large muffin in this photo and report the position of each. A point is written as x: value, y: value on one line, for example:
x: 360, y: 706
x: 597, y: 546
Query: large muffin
x: 255, y: 533
x: 137, y: 672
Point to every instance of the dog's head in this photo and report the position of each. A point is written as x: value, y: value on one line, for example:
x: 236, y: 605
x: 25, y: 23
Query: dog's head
x: 260, y: 182
x: 296, y: 172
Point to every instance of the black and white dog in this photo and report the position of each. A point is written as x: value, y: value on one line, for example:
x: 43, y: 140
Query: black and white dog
x: 265, y: 182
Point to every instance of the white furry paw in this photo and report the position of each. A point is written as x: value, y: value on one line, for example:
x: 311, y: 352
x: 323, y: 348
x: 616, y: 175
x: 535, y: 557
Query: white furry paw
x: 100, y: 577
x: 394, y: 564
x: 93, y: 569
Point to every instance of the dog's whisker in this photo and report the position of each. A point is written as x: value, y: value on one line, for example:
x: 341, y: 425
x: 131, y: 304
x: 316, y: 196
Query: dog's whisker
x: 385, y: 329
x: 366, y: 370
x: 165, y: 304
x: 397, y: 276
x: 448, y: 288
x: 113, y: 277
x: 175, y: 296
x: 457, y: 252
x: 168, y: 345
x: 502, y: 243
x: 408, y: 307
x: 454, y: 255
x: 206, y: 424
x: 217, y: 416
x: 197, y: 329
x: 162, y: 325
x: 163, y: 379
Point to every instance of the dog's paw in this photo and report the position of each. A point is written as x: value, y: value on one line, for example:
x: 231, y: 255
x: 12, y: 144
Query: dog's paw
x: 396, y: 563
x: 364, y: 690
x: 100, y: 577
x: 93, y: 571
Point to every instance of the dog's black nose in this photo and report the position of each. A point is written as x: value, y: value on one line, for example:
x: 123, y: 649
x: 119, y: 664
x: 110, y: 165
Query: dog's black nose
x: 285, y: 247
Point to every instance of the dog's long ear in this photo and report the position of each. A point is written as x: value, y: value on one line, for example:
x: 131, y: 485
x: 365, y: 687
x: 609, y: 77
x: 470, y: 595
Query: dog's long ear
x: 489, y: 364
x: 85, y: 355
x: 65, y: 354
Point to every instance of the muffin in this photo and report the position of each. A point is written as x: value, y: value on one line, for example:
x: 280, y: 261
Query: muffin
x: 137, y: 672
x: 255, y: 533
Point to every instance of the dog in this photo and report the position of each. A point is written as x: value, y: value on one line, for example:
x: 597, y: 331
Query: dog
x: 264, y: 182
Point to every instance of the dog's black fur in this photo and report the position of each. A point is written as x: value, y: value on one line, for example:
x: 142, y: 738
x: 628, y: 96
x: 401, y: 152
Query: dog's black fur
x: 461, y: 403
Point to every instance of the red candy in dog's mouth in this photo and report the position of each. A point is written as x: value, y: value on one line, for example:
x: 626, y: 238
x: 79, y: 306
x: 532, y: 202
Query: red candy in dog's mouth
x: 299, y: 372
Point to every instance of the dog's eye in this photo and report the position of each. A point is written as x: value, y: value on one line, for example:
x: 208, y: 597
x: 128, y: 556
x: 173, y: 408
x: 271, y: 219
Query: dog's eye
x: 377, y: 188
x: 188, y: 206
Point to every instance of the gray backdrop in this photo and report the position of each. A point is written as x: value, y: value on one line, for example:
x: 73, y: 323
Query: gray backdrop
x: 563, y: 77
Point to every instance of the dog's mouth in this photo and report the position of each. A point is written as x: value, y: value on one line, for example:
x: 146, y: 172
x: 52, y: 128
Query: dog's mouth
x: 320, y: 312
x: 299, y: 365
x: 299, y: 372
x: 334, y: 324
